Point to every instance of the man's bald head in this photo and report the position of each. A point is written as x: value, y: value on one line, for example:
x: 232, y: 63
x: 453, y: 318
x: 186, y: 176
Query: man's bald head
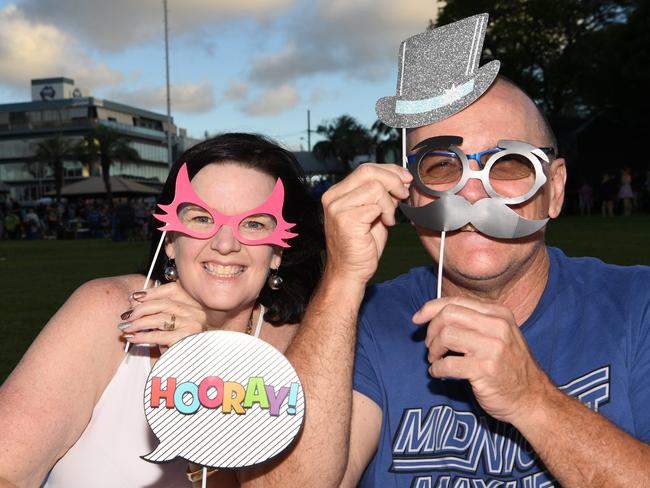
x: 540, y: 119
x: 509, y: 93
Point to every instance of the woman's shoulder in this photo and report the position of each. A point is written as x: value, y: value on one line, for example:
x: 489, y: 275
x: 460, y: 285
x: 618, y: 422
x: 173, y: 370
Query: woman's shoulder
x: 95, y: 307
x: 109, y: 288
x: 86, y: 326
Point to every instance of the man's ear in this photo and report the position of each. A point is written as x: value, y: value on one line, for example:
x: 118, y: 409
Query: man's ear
x: 557, y: 181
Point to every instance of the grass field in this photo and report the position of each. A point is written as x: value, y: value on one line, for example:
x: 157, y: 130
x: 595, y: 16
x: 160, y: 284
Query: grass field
x: 37, y: 276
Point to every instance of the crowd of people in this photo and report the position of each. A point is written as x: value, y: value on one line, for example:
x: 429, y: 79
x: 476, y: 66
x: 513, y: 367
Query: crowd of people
x: 128, y: 219
x: 621, y: 194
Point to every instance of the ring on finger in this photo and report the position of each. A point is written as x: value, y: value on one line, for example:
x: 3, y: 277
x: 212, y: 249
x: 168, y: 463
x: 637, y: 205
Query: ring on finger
x: 171, y: 325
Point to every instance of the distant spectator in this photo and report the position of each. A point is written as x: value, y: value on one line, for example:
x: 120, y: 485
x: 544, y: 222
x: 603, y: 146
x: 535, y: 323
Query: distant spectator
x: 142, y: 215
x: 12, y: 225
x: 53, y: 221
x: 123, y: 221
x: 625, y: 192
x: 33, y: 226
x: 320, y: 187
x: 71, y: 211
x: 608, y: 188
x: 585, y: 198
x: 95, y: 220
x: 646, y: 192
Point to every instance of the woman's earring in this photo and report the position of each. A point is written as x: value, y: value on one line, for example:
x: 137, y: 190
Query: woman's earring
x: 274, y: 281
x: 170, y: 271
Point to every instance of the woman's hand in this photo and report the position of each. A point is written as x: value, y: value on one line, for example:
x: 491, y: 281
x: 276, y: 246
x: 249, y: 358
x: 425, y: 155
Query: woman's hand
x: 162, y: 316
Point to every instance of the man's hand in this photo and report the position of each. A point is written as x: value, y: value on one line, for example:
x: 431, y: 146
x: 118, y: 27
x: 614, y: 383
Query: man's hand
x: 492, y: 354
x: 358, y: 211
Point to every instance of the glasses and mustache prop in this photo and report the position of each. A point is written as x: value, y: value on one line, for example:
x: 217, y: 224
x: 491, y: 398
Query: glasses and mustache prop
x: 511, y: 174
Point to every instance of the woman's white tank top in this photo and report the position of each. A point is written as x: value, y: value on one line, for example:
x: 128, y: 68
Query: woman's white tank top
x: 107, y: 455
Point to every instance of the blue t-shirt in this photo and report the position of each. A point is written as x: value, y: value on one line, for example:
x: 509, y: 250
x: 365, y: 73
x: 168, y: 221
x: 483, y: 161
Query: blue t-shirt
x: 590, y: 332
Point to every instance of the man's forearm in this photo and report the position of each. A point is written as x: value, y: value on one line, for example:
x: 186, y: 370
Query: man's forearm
x: 323, y: 354
x: 581, y: 447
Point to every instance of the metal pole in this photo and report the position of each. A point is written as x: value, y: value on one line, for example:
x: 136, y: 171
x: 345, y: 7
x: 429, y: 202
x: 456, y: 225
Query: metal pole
x: 309, y: 130
x: 169, y: 102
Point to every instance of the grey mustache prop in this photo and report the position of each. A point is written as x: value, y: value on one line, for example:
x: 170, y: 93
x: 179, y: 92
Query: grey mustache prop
x: 488, y: 215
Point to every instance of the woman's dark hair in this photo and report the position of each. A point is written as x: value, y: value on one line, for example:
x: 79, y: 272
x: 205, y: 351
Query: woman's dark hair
x: 302, y: 263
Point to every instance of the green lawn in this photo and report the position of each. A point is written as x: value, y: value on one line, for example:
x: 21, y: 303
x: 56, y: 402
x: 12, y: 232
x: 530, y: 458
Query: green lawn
x: 37, y: 276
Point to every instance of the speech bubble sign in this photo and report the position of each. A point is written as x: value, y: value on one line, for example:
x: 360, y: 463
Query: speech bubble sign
x: 222, y: 399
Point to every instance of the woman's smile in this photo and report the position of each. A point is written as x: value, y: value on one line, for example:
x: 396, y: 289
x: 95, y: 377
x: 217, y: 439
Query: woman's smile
x: 223, y: 271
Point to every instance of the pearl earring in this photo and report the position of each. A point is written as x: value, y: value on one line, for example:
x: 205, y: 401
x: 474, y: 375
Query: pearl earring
x: 274, y: 281
x: 170, y: 271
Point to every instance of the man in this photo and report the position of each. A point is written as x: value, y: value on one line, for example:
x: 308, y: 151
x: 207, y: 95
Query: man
x: 531, y: 370
x: 33, y: 225
x: 12, y: 225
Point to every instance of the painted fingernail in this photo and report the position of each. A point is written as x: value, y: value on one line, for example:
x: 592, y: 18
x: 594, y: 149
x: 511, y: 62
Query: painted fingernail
x: 128, y: 336
x: 123, y: 325
x: 127, y: 314
x: 138, y: 295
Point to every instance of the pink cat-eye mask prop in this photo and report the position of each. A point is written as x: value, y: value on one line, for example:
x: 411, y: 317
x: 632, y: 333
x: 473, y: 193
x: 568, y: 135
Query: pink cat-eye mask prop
x: 184, y: 194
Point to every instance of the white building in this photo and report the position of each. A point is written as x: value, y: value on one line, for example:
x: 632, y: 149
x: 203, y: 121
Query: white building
x: 60, y: 107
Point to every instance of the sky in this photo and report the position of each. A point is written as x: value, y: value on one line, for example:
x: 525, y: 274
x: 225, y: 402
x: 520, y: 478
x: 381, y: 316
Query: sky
x: 235, y: 65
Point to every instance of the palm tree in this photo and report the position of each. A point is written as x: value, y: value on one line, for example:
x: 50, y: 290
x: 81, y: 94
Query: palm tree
x: 386, y: 139
x: 109, y: 146
x: 52, y: 152
x: 345, y: 138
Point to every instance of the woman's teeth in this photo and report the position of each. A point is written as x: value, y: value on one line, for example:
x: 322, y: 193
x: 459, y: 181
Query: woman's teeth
x: 223, y: 271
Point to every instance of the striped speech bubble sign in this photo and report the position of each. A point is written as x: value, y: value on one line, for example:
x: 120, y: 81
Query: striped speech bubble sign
x: 223, y: 399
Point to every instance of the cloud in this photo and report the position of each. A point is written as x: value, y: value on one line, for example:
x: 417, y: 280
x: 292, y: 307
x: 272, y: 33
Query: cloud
x: 320, y: 94
x: 236, y: 91
x: 117, y: 24
x: 293, y: 62
x: 31, y: 49
x: 272, y: 101
x: 357, y: 38
x: 185, y: 97
x: 297, y: 39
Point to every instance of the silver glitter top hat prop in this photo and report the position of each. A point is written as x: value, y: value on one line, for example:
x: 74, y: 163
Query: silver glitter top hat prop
x: 438, y: 74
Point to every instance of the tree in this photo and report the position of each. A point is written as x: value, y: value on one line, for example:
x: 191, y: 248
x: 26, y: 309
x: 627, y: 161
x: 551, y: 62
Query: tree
x: 544, y: 45
x: 108, y: 146
x: 344, y: 139
x: 387, y: 139
x: 52, y: 152
x: 616, y: 69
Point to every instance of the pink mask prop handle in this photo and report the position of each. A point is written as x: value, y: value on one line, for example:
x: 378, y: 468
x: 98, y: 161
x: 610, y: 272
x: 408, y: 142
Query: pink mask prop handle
x: 146, y: 280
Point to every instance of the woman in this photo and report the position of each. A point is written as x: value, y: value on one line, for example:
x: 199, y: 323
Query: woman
x: 71, y: 413
x: 625, y: 192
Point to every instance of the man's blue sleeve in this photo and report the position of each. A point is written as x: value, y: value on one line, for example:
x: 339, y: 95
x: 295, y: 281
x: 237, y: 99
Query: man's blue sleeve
x: 640, y: 366
x: 365, y: 378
